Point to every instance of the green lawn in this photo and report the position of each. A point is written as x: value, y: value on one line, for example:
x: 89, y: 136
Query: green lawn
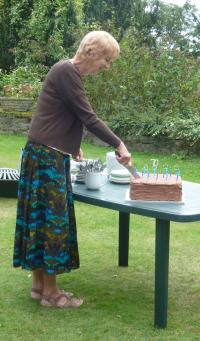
x: 118, y: 301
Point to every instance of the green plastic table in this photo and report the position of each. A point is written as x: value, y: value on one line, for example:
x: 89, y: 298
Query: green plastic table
x: 112, y: 196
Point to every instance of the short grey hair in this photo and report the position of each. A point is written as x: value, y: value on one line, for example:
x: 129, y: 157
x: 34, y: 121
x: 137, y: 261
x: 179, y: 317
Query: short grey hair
x: 101, y: 41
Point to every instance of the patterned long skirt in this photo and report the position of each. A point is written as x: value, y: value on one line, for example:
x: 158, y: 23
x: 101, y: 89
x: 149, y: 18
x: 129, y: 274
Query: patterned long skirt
x: 45, y: 236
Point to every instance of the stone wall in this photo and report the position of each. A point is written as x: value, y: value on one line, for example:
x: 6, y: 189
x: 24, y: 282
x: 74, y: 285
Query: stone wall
x: 13, y: 124
x: 152, y: 144
x: 16, y: 104
x: 19, y: 124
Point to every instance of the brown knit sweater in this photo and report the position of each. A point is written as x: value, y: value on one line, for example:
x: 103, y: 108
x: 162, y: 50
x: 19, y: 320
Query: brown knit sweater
x: 63, y: 109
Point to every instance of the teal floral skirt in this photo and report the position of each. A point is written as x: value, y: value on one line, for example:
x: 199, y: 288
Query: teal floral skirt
x: 45, y: 236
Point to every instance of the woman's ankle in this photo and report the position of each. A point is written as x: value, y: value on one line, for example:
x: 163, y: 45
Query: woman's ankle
x: 50, y: 287
x: 51, y: 292
x: 37, y: 280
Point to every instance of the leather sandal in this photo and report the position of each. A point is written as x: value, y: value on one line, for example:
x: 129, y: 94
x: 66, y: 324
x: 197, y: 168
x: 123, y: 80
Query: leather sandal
x: 36, y: 294
x: 70, y: 302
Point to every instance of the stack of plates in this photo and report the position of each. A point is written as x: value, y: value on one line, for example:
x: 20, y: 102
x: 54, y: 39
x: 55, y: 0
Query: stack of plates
x: 80, y: 177
x: 112, y: 163
x: 77, y: 174
x: 74, y: 166
x: 120, y: 176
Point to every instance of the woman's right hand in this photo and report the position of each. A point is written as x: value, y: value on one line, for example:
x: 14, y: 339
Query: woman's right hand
x: 123, y: 157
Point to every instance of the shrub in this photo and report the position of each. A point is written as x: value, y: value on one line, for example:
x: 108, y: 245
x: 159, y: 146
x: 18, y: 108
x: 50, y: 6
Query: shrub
x: 147, y: 90
x: 23, y: 75
x: 186, y: 129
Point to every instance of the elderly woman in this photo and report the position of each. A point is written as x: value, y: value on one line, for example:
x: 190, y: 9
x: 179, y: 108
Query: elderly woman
x: 46, y: 236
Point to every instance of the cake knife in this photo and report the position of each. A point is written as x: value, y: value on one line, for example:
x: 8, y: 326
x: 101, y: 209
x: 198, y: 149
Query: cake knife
x: 131, y: 169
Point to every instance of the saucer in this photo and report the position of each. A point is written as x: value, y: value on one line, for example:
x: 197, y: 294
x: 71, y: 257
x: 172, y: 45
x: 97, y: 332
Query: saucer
x: 118, y: 180
x: 120, y: 174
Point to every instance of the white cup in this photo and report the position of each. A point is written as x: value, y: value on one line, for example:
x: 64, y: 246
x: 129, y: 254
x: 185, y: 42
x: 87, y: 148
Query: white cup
x: 95, y: 180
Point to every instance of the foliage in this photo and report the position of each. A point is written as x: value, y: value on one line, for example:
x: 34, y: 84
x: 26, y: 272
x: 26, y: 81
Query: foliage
x: 153, y: 18
x: 49, y: 32
x: 21, y: 76
x: 44, y: 31
x: 158, y: 21
x: 111, y: 15
x: 186, y: 129
x: 6, y: 42
x: 145, y: 89
x: 37, y: 31
x: 150, y: 87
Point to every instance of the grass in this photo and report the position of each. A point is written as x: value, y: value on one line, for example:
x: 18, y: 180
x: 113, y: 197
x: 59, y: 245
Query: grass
x: 118, y: 301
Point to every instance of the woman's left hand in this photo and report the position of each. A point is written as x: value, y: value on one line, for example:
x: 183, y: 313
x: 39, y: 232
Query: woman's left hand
x: 79, y: 156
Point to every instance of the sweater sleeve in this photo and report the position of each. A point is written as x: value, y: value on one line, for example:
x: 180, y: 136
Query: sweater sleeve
x: 69, y: 87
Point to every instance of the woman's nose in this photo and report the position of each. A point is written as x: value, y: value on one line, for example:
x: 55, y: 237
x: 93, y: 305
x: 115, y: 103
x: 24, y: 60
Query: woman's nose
x: 107, y: 66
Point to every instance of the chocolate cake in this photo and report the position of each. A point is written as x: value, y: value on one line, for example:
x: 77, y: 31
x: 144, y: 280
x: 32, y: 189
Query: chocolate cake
x: 156, y: 188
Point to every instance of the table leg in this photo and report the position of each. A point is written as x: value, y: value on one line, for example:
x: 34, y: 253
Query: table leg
x: 161, y: 272
x: 123, y: 238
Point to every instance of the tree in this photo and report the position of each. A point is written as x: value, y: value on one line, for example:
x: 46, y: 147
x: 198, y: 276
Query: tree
x: 46, y: 32
x: 110, y: 14
x: 153, y: 19
x: 6, y: 39
x: 19, y: 15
